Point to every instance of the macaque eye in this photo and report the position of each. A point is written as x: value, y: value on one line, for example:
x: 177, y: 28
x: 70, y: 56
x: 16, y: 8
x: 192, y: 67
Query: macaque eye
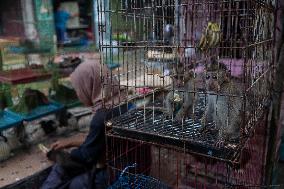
x: 214, y: 77
x: 207, y: 76
x: 173, y: 76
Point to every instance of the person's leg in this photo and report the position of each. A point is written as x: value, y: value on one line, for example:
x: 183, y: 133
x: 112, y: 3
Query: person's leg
x: 60, y: 35
x: 65, y: 36
x: 80, y: 181
x: 83, y: 181
x: 101, y: 181
x: 55, y: 179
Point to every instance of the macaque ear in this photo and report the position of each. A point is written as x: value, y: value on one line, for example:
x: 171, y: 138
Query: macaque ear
x: 188, y: 75
x: 226, y: 76
x: 207, y: 67
x: 228, y: 73
x: 191, y: 74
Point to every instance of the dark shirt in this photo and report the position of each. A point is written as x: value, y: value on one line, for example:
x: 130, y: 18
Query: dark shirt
x: 94, y: 145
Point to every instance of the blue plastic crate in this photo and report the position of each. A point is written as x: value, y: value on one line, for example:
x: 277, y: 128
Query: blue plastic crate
x: 40, y: 111
x: 137, y: 181
x: 112, y: 65
x: 8, y: 120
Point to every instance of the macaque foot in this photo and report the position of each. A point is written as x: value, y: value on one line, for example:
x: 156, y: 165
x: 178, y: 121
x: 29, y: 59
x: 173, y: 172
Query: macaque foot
x: 240, y: 171
x: 204, y: 125
x: 179, y: 116
x: 203, y: 129
x: 203, y: 121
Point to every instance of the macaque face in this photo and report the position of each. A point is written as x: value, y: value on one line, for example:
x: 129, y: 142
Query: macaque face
x: 179, y: 80
x: 180, y: 76
x: 211, y: 81
x: 214, y: 79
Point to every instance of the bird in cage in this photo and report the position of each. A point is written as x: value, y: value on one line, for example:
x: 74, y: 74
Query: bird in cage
x: 169, y: 34
x: 179, y: 102
x: 223, y: 103
x: 210, y: 37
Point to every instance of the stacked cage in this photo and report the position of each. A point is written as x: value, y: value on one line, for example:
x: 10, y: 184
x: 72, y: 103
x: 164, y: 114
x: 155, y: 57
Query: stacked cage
x: 23, y: 75
x: 195, y: 76
x: 35, y: 91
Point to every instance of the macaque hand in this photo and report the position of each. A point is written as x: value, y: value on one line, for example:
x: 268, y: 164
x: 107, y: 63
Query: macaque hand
x: 179, y: 116
x: 203, y: 122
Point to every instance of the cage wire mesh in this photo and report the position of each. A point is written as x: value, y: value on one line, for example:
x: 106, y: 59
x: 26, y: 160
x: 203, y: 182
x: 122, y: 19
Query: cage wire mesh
x: 178, y: 169
x: 197, y: 74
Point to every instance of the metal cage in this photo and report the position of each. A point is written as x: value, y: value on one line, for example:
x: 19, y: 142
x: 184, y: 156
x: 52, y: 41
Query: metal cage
x: 178, y: 169
x: 153, y: 43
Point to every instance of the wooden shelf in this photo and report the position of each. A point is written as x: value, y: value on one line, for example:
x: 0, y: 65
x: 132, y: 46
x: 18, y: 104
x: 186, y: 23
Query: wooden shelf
x: 23, y: 75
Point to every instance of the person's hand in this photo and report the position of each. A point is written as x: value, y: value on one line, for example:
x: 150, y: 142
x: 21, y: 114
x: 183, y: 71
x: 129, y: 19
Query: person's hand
x: 58, y: 145
x: 75, y: 15
x: 43, y: 148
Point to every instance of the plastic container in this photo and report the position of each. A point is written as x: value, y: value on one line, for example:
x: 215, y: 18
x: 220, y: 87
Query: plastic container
x: 8, y: 120
x: 40, y: 111
x: 137, y: 181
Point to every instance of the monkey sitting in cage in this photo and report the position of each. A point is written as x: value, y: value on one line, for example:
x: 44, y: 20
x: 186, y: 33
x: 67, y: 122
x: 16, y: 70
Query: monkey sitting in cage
x: 180, y: 100
x: 223, y: 103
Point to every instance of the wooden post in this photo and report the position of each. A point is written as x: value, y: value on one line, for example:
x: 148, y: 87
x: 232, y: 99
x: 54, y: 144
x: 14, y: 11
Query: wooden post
x: 273, y: 122
x: 1, y: 58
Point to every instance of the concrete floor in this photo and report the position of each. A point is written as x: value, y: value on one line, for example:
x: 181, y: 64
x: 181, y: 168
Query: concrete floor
x: 26, y: 162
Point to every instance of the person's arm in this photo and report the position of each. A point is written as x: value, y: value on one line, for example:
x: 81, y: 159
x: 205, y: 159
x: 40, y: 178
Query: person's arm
x: 74, y: 15
x: 69, y: 15
x: 94, y: 145
x: 68, y: 143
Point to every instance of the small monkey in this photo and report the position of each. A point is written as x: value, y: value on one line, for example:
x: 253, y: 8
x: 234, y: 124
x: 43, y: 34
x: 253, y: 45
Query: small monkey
x: 177, y: 102
x: 223, y: 102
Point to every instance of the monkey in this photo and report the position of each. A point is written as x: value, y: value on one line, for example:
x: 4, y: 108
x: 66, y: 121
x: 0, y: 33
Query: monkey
x: 178, y: 103
x: 30, y: 100
x: 34, y: 98
x: 70, y: 62
x: 222, y: 108
x: 48, y: 127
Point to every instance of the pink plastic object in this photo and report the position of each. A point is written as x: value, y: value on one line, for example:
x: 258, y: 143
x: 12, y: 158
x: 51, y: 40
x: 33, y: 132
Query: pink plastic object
x: 236, y: 66
x: 143, y: 91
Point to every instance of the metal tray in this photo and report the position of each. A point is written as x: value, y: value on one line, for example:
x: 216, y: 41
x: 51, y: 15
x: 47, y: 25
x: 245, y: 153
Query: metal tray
x: 155, y: 127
